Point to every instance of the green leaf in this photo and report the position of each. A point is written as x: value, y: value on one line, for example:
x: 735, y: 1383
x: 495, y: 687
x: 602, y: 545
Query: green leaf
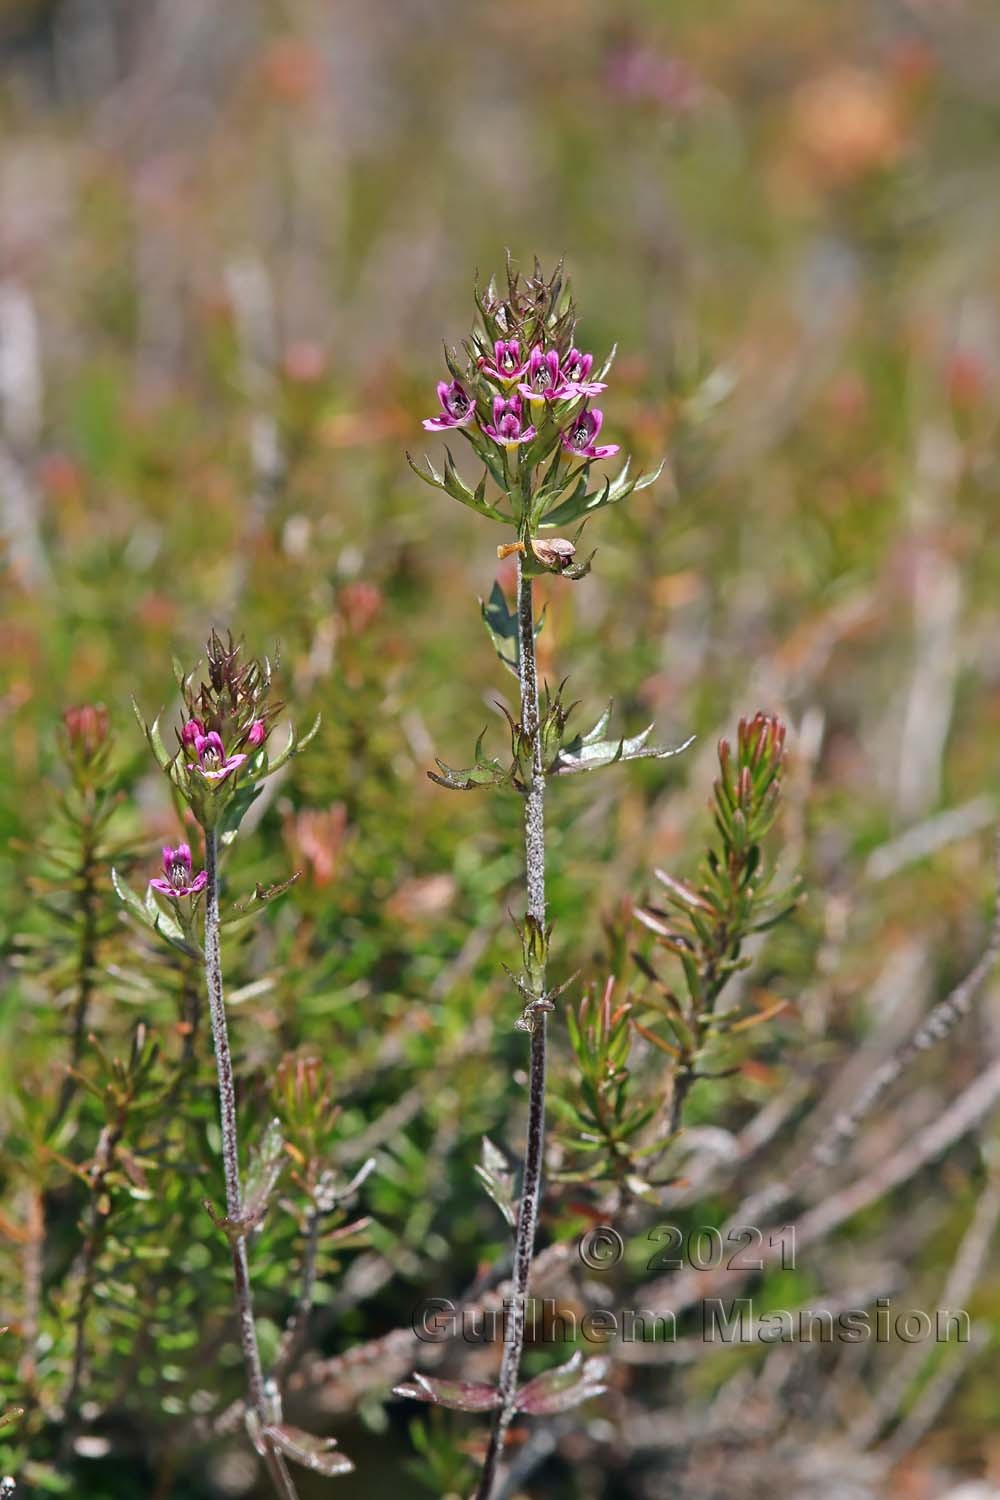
x: 238, y: 806
x: 155, y: 739
x: 581, y: 506
x: 567, y: 1386
x: 247, y: 910
x: 501, y: 622
x: 127, y: 895
x: 454, y: 485
x: 485, y: 772
x: 497, y: 1178
x: 589, y: 751
x: 266, y: 1163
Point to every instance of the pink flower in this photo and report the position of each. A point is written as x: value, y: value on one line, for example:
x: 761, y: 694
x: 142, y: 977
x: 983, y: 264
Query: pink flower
x: 257, y: 734
x: 576, y: 372
x: 544, y: 380
x: 507, y: 365
x: 507, y: 427
x: 176, y: 879
x: 580, y: 437
x: 190, y: 731
x: 213, y: 763
x: 457, y: 409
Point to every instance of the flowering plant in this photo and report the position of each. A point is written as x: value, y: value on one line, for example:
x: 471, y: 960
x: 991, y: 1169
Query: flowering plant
x: 520, y: 399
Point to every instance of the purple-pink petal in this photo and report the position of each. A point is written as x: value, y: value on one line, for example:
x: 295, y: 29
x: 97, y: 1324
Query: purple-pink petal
x: 444, y: 423
x: 574, y: 388
x: 457, y: 407
x: 580, y: 435
x: 191, y: 730
x: 507, y: 362
x: 223, y: 770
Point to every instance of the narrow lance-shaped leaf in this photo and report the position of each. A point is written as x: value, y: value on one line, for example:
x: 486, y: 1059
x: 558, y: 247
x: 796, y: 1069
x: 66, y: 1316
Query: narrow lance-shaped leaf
x: 579, y: 507
x: 588, y: 751
x: 308, y: 1451
x: 155, y: 740
x: 501, y: 623
x: 263, y: 1173
x: 453, y: 484
x: 497, y: 1178
x: 484, y: 773
x: 247, y: 910
x: 458, y: 1395
x: 563, y: 1388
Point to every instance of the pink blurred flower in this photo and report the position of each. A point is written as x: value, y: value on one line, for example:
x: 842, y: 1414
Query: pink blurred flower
x: 360, y: 604
x: 647, y: 76
x: 316, y: 838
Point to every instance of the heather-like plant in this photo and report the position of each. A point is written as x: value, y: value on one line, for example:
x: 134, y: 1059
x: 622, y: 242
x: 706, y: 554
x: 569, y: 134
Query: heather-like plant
x: 520, y: 394
x: 708, y: 922
x: 616, y: 1119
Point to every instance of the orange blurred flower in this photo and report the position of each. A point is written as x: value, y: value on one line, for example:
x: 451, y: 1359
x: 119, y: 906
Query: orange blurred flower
x: 315, y: 840
x: 847, y: 123
x: 292, y: 71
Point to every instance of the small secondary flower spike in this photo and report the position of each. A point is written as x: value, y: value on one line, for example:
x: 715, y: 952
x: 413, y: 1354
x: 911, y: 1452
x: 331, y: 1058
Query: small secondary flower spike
x: 218, y: 768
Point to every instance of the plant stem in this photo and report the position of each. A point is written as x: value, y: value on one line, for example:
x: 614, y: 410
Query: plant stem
x: 295, y: 1329
x: 85, y: 964
x: 527, y: 1221
x: 103, y: 1158
x: 256, y: 1398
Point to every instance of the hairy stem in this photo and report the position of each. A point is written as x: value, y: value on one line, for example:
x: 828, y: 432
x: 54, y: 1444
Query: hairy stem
x: 256, y: 1398
x: 527, y: 1221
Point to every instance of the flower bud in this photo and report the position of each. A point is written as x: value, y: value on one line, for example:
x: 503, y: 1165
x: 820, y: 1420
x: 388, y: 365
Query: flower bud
x: 556, y: 552
x: 191, y: 731
x: 86, y: 729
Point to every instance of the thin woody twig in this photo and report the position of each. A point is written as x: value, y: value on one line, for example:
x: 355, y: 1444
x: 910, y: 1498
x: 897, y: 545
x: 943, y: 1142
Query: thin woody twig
x: 674, y: 1294
x: 958, y: 1286
x: 937, y: 1025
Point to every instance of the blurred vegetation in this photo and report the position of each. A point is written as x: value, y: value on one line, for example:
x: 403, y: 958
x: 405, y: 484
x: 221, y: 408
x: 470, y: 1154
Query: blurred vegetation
x: 231, y: 242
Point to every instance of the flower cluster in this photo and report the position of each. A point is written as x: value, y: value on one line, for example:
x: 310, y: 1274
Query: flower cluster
x: 521, y: 397
x: 222, y: 743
